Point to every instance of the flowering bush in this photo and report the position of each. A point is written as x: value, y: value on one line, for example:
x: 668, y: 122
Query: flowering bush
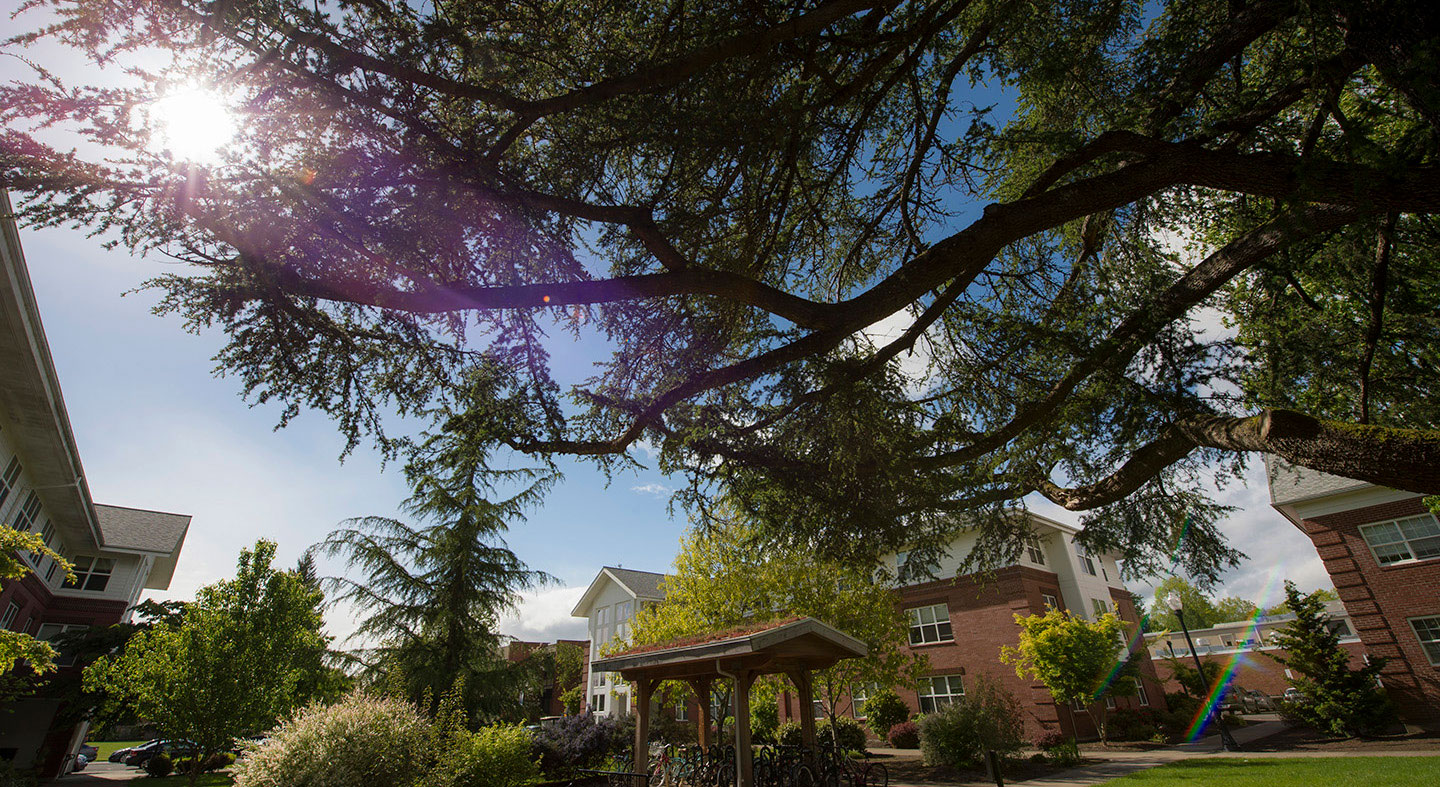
x: 579, y: 742
x: 905, y: 735
x: 361, y: 740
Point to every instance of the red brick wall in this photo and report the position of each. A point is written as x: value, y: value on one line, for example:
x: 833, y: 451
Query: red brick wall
x: 1380, y: 599
x: 982, y: 617
x: 1254, y: 670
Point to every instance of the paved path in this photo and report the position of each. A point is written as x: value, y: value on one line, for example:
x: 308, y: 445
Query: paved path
x: 100, y: 774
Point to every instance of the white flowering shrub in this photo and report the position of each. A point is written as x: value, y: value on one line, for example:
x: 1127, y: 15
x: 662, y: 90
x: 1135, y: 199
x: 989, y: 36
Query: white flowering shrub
x: 361, y: 740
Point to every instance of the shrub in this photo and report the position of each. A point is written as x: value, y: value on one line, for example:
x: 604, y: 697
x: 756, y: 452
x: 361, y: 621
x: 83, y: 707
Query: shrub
x: 959, y: 735
x: 764, y: 713
x: 1050, y: 739
x: 852, y: 735
x: 1126, y: 724
x: 905, y: 735
x: 788, y: 734
x: 883, y: 710
x: 1066, y: 753
x: 499, y: 756
x: 361, y: 740
x: 572, y: 698
x: 159, y: 766
x: 579, y: 742
x: 214, y: 762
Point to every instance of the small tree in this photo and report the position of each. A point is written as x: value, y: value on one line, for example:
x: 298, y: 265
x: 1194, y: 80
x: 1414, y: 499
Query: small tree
x: 1337, y: 699
x: 883, y: 710
x: 232, y: 666
x: 16, y: 645
x: 1077, y: 660
x: 1193, y: 682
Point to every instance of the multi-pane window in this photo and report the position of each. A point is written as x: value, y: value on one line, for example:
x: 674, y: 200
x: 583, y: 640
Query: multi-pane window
x: 9, y: 479
x: 28, y: 513
x: 622, y: 620
x: 900, y: 558
x: 938, y: 691
x: 859, y: 695
x: 1034, y: 551
x: 8, y: 618
x: 47, y: 534
x: 1100, y: 607
x: 65, y: 652
x: 597, y: 703
x: 1086, y: 562
x: 1140, y: 693
x: 930, y: 624
x: 1339, y: 628
x: 602, y: 627
x: 1427, y: 630
x: 1415, y: 538
x: 91, y: 573
x: 682, y: 711
x: 1050, y: 601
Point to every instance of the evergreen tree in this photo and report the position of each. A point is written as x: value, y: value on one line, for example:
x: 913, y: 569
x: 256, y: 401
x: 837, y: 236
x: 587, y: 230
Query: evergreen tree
x: 1336, y: 699
x: 433, y: 593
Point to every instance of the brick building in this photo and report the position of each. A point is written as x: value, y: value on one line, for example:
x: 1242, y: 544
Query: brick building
x: 548, y: 703
x: 1245, y: 645
x: 117, y: 552
x: 1381, y: 548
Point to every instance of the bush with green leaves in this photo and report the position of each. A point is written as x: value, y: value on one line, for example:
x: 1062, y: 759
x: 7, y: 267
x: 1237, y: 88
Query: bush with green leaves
x: 959, y: 735
x: 883, y: 710
x: 498, y: 756
x: 159, y: 766
x: 851, y: 734
x: 360, y: 740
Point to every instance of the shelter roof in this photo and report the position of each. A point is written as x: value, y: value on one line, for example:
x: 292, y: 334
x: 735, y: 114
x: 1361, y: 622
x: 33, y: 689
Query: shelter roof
x: 780, y: 646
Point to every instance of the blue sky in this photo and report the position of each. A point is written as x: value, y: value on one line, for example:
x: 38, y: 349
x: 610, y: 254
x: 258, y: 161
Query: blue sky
x: 157, y: 430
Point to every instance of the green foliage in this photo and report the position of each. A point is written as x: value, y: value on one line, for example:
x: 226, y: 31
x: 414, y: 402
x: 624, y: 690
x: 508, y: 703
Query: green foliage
x: 1201, y: 611
x: 1323, y: 594
x: 726, y: 576
x: 905, y: 735
x: 883, y: 710
x: 432, y: 595
x: 1337, y: 699
x: 16, y: 645
x: 842, y: 732
x: 1193, y: 682
x: 989, y: 718
x: 360, y: 740
x: 159, y: 766
x: 572, y: 699
x: 1077, y: 660
x: 234, y: 664
x: 764, y: 711
x: 499, y: 755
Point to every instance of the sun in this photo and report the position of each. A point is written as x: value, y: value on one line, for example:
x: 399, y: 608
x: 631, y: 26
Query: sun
x: 192, y: 123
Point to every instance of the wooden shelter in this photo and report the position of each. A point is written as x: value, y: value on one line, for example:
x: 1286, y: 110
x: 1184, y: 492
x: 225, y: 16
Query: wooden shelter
x: 794, y: 648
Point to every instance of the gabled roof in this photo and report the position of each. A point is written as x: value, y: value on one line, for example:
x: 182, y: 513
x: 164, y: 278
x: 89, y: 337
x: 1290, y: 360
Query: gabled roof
x: 805, y: 643
x: 1294, y: 484
x: 640, y: 584
x: 141, y: 530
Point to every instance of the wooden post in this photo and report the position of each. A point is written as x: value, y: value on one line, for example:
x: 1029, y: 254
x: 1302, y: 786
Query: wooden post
x: 643, y: 689
x: 744, y: 755
x: 702, y: 686
x: 805, y: 688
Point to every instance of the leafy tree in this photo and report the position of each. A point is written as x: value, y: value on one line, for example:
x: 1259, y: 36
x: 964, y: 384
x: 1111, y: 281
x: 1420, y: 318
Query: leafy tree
x: 1231, y: 609
x: 883, y: 710
x: 1076, y: 659
x: 1047, y: 199
x: 231, y: 667
x: 432, y: 594
x: 1322, y: 594
x: 1337, y: 699
x: 1200, y: 609
x: 725, y: 577
x: 1195, y: 683
x: 17, y: 645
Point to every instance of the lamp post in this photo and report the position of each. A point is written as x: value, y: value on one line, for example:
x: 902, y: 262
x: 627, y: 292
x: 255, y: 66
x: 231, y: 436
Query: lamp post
x: 1177, y: 605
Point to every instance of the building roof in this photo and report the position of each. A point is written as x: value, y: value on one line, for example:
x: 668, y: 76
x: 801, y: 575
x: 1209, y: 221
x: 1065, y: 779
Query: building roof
x: 780, y: 646
x: 1294, y: 484
x: 142, y: 530
x: 640, y: 584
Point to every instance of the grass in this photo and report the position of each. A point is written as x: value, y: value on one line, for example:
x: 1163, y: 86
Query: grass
x: 1313, y: 772
x: 108, y: 747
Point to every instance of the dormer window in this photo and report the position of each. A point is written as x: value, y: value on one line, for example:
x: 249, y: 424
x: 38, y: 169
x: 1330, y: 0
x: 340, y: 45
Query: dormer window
x: 91, y: 573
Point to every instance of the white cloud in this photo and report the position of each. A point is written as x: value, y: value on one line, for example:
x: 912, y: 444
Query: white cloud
x: 544, y: 616
x: 656, y: 489
x: 914, y: 363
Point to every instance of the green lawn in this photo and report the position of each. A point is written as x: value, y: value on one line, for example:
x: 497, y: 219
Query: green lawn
x: 108, y: 747
x: 1316, y: 772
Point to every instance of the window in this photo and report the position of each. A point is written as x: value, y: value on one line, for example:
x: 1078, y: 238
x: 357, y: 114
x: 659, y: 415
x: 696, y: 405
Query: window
x: 900, y: 558
x: 1416, y: 538
x: 1140, y: 692
x: 1085, y: 562
x: 817, y: 709
x: 65, y: 657
x: 91, y: 573
x: 47, y: 534
x: 602, y: 627
x: 28, y: 513
x: 682, y: 711
x: 930, y: 624
x: 9, y: 617
x: 1034, y: 551
x: 597, y: 703
x: 1109, y: 702
x: 859, y: 695
x: 622, y: 620
x: 1339, y: 628
x: 29, y: 620
x: 600, y: 678
x: 9, y: 479
x: 1050, y: 601
x: 1427, y: 630
x: 1100, y: 607
x: 939, y: 691
x: 1227, y: 640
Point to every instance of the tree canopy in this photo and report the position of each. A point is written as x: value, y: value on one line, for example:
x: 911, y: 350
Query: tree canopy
x: 1045, y: 201
x: 16, y: 646
x: 1077, y: 660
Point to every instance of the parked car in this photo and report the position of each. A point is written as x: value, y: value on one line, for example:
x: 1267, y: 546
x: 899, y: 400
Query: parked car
x: 172, y: 749
x: 119, y: 755
x: 1231, y: 701
x: 1293, y: 694
x: 90, y: 752
x: 80, y: 762
x: 1258, y: 702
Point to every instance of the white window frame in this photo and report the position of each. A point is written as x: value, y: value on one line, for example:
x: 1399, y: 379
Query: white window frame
x: 682, y: 711
x: 1428, y: 626
x: 28, y: 514
x: 859, y: 695
x: 938, y: 624
x: 1140, y: 693
x: 933, y: 697
x: 1087, y: 564
x: 1035, y: 550
x: 1099, y: 607
x: 61, y: 658
x: 1405, y: 541
x: 1109, y: 702
x: 86, y: 569
x: 9, y: 480
x: 1050, y: 601
x: 11, y: 612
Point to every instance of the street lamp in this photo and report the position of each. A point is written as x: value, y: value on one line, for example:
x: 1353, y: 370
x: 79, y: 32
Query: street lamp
x: 1177, y: 605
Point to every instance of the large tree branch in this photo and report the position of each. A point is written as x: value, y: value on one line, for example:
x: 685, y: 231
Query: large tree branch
x: 1407, y: 459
